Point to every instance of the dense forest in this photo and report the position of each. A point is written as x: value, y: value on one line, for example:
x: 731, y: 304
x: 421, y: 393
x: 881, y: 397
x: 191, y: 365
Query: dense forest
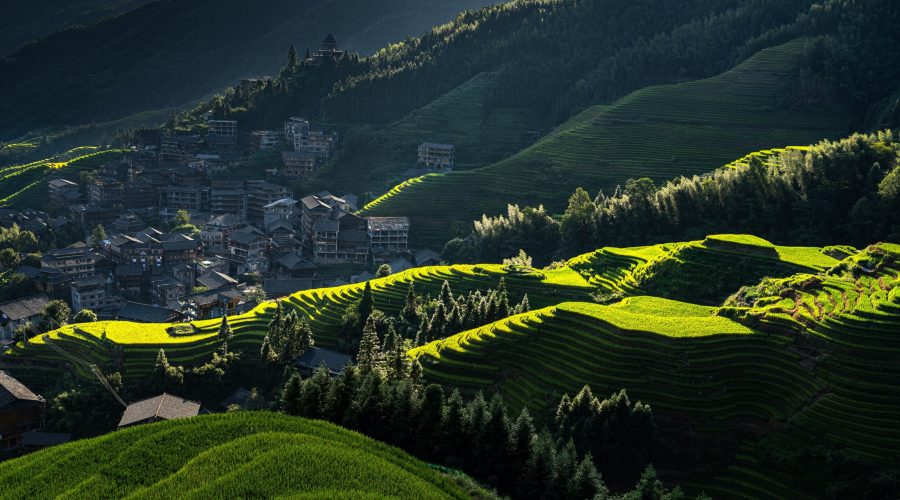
x: 167, y: 53
x: 845, y: 191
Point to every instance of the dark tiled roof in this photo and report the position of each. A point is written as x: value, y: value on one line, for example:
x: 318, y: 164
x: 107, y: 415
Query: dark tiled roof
x: 146, y: 313
x: 164, y: 406
x: 276, y: 288
x: 11, y: 391
x: 24, y: 308
x: 316, y: 356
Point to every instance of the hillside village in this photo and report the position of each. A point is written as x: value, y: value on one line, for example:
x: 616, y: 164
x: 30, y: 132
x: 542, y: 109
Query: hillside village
x: 169, y: 236
x: 546, y: 250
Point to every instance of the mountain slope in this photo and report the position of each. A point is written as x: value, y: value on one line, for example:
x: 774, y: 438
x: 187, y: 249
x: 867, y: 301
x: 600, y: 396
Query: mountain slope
x: 24, y: 22
x: 810, y: 358
x: 658, y: 132
x: 235, y: 455
x: 169, y: 52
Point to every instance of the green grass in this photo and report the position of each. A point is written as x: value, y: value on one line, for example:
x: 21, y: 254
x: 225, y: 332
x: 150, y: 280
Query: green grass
x: 659, y: 132
x: 237, y: 455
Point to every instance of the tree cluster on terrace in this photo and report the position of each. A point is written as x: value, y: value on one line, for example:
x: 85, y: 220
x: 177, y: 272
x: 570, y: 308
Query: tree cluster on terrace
x: 845, y: 191
x: 424, y: 318
x: 481, y: 438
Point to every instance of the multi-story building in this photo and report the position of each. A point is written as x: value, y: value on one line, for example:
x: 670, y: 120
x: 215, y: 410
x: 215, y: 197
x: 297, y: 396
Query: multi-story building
x: 77, y: 261
x: 247, y: 243
x: 279, y: 210
x: 315, y: 207
x: 260, y: 194
x: 295, y: 126
x: 222, y: 128
x: 62, y: 191
x: 167, y: 291
x: 218, y: 229
x: 297, y: 164
x: 228, y: 197
x: 106, y: 192
x: 327, y: 50
x: 266, y: 140
x: 190, y: 198
x: 179, y: 148
x: 388, y: 233
x: 434, y: 156
x: 316, y: 142
x: 97, y: 294
x: 340, y: 238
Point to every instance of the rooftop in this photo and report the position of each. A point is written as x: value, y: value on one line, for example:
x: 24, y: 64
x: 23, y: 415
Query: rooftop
x: 316, y: 356
x: 16, y: 310
x: 164, y: 406
x: 12, y: 391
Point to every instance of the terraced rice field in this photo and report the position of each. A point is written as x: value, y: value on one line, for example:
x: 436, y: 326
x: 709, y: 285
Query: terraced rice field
x: 97, y: 342
x: 461, y: 117
x: 606, y: 270
x: 815, y: 352
x: 25, y: 185
x: 659, y: 132
x: 233, y: 455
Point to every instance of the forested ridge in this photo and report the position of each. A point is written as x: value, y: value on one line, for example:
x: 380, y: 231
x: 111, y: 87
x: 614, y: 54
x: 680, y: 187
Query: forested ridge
x: 845, y: 191
x: 167, y: 53
x: 559, y: 57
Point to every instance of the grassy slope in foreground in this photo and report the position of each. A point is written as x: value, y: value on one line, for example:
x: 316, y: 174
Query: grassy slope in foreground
x: 687, y: 265
x: 236, y: 455
x: 659, y: 132
x: 813, y: 353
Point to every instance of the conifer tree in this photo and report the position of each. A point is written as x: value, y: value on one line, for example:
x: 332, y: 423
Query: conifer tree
x: 416, y: 375
x: 314, y: 393
x: 340, y: 395
x: 369, y: 357
x: 225, y: 333
x: 292, y: 57
x: 410, y: 312
x: 366, y: 303
x: 290, y: 396
x: 446, y: 296
x: 305, y: 338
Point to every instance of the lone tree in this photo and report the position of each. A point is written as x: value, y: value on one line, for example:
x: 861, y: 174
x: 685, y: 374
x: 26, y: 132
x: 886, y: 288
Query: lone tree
x: 98, y: 235
x: 85, y: 316
x: 384, y: 271
x: 366, y: 303
x: 225, y: 334
x: 55, y: 315
x: 305, y: 339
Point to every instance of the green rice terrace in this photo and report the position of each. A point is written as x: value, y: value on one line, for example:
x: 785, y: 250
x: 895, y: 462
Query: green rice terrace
x: 814, y: 353
x: 25, y: 186
x: 659, y: 132
x: 791, y: 338
x: 228, y: 456
x: 606, y: 271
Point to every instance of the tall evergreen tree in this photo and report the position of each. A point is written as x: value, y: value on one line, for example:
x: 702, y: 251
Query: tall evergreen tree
x: 369, y: 357
x: 366, y: 303
x: 290, y: 396
x: 225, y: 333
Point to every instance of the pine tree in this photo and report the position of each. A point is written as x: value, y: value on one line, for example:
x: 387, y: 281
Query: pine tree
x: 340, y: 395
x: 430, y: 418
x: 523, y: 435
x: 410, y: 312
x: 416, y: 375
x: 454, y: 428
x: 292, y: 57
x: 446, y: 296
x: 586, y: 483
x: 290, y: 396
x: 366, y: 303
x: 225, y: 333
x: 314, y: 396
x: 305, y: 338
x: 369, y: 357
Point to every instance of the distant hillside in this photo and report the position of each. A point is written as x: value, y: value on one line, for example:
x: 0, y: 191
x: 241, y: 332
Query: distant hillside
x: 170, y: 52
x: 659, y: 132
x: 24, y: 22
x: 237, y: 455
